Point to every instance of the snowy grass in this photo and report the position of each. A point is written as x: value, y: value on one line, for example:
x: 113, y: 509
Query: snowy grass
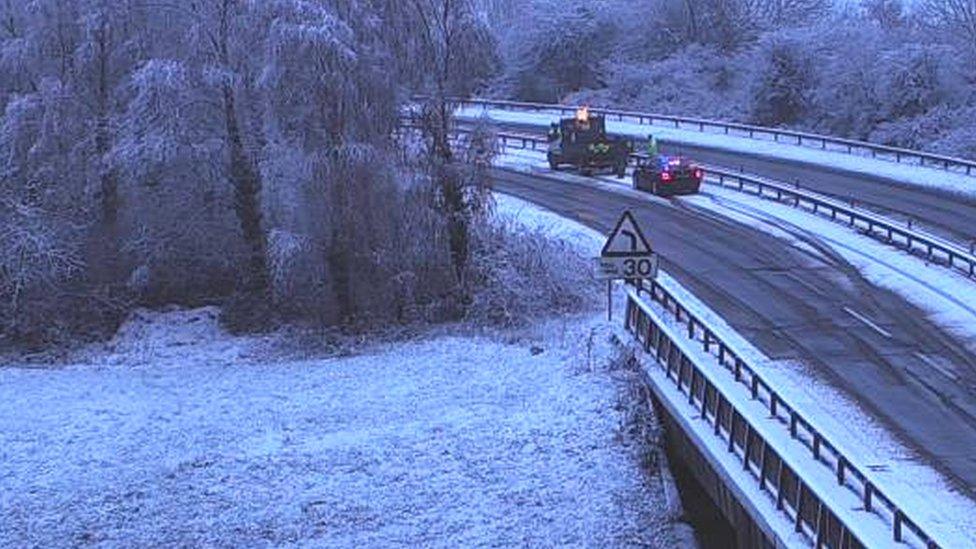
x: 179, y: 436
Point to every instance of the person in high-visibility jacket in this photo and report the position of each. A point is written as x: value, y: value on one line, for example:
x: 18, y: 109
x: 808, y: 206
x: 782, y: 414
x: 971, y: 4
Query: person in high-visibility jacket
x: 652, y: 150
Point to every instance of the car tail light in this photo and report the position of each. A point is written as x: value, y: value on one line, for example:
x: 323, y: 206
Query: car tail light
x: 699, y: 174
x: 666, y: 176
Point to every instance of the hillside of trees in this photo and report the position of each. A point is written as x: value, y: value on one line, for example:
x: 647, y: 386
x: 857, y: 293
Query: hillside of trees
x: 245, y: 154
x: 888, y: 71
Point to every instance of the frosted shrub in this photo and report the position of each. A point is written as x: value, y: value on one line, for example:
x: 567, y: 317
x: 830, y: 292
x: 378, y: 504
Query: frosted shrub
x: 520, y: 274
x: 785, y: 76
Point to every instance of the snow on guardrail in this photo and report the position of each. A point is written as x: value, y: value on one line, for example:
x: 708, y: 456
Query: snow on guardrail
x: 804, y: 139
x: 802, y: 493
x: 890, y: 232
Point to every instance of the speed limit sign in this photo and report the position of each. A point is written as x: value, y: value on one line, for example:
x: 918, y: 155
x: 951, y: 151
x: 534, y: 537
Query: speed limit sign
x: 611, y: 268
x: 627, y: 254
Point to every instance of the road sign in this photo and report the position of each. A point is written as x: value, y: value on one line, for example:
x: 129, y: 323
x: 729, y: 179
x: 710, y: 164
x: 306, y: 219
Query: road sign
x: 626, y: 239
x: 627, y: 253
x: 613, y: 268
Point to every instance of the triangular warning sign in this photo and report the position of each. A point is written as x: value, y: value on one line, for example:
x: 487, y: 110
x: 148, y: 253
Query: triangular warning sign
x: 626, y: 239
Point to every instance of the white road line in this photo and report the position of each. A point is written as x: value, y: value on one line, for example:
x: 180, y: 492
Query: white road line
x: 867, y: 322
x: 940, y: 368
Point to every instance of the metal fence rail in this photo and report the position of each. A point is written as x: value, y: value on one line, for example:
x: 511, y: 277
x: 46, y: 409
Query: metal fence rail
x: 934, y: 249
x: 793, y: 496
x: 892, y: 233
x: 810, y: 140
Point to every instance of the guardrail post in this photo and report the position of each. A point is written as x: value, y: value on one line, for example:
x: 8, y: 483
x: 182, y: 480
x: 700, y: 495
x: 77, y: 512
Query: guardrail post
x: 762, y: 466
x: 898, y: 520
x: 820, y: 524
x: 755, y: 387
x: 773, y: 401
x: 780, y: 477
x: 734, y: 415
x: 748, y: 448
x: 738, y: 369
x: 840, y: 469
x: 868, y: 494
x: 718, y: 412
x: 793, y: 422
x: 798, y: 525
x: 707, y: 341
x: 816, y: 445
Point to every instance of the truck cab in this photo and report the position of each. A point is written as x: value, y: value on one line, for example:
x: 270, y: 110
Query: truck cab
x: 582, y: 142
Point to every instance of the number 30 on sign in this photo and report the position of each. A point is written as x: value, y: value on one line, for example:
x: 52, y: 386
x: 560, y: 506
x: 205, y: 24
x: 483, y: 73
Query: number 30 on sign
x: 610, y: 268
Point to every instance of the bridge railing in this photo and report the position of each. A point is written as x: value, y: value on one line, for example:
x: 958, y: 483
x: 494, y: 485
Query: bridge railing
x: 811, y: 516
x: 798, y: 499
x: 804, y: 139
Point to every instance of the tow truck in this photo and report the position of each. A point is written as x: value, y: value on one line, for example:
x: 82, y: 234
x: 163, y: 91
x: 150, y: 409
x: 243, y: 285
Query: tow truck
x: 666, y: 175
x: 582, y: 141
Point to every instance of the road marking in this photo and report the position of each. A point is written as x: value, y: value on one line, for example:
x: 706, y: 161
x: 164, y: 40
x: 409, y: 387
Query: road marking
x: 940, y: 368
x: 867, y: 322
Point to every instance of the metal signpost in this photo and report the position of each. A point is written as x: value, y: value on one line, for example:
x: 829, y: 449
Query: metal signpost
x: 626, y: 255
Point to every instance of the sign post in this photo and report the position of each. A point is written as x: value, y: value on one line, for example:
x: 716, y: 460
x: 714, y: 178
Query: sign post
x: 626, y: 255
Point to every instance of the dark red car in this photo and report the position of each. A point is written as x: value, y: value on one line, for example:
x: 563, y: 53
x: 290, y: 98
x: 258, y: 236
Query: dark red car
x: 668, y: 175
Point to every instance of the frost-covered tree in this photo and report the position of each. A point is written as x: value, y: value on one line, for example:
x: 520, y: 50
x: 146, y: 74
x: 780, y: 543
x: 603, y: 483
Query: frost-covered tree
x: 564, y: 49
x: 888, y: 14
x: 955, y: 18
x: 784, y: 80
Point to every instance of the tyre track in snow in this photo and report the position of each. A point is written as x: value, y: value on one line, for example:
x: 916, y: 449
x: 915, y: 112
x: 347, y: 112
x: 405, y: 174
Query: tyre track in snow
x: 943, y: 213
x: 792, y: 302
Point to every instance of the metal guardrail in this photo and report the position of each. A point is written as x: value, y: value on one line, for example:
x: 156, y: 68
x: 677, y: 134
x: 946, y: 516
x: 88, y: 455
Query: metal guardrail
x: 932, y: 248
x: 809, y: 513
x: 804, y: 139
x: 794, y: 497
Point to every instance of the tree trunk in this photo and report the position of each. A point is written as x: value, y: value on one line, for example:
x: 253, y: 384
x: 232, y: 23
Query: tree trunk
x: 107, y: 246
x: 247, y: 201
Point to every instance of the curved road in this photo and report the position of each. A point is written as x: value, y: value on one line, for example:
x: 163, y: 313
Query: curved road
x: 865, y: 340
x: 945, y: 214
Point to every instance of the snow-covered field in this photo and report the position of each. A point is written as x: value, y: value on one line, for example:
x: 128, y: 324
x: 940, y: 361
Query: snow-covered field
x: 907, y: 174
x: 177, y: 434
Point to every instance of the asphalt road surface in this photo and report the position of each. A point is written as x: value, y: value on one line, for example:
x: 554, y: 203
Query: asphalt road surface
x: 807, y: 305
x: 945, y: 214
